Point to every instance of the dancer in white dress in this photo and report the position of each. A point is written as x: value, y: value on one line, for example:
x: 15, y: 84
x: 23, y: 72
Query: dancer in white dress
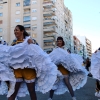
x: 30, y: 64
x: 95, y: 70
x: 72, y: 75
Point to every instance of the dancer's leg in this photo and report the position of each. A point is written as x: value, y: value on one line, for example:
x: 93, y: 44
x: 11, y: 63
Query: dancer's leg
x: 66, y: 80
x: 13, y: 96
x: 31, y: 88
x: 51, y: 94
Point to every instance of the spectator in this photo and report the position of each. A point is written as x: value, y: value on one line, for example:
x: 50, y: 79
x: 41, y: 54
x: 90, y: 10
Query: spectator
x: 88, y: 63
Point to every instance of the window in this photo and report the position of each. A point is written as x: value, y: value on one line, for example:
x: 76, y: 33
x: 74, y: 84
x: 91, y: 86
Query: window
x: 34, y: 2
x: 34, y: 10
x: 34, y: 18
x: 1, y: 14
x: 18, y: 12
x: 27, y: 26
x: 18, y: 4
x: 1, y: 21
x: 48, y: 42
x: 1, y: 7
x: 26, y: 19
x: 17, y: 20
x: 34, y: 27
x: 26, y: 2
x: 1, y: 29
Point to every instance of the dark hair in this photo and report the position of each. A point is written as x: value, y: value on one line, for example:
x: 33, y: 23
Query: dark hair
x: 23, y: 29
x: 60, y: 38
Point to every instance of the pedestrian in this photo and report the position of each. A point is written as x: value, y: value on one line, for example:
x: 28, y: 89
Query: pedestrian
x: 65, y: 63
x: 88, y: 63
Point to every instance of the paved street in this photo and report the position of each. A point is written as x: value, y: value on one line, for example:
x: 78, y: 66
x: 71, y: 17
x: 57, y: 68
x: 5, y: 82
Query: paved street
x: 85, y: 93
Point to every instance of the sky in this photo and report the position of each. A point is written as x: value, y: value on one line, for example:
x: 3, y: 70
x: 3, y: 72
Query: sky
x: 86, y: 19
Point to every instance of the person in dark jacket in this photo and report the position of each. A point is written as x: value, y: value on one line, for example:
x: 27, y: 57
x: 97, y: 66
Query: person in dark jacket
x: 88, y: 63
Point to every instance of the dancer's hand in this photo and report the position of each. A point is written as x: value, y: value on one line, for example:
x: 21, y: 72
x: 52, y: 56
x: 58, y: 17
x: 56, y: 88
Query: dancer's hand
x: 30, y: 41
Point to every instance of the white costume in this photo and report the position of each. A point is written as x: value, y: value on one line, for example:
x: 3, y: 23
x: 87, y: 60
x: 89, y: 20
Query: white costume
x: 95, y: 65
x: 95, y: 70
x: 31, y: 56
x: 78, y: 74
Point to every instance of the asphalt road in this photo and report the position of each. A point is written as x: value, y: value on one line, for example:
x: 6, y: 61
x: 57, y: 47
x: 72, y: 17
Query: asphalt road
x: 85, y: 93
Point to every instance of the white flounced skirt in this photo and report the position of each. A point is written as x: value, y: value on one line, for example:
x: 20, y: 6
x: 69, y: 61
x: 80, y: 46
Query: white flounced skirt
x: 95, y: 65
x: 78, y: 74
x: 31, y: 56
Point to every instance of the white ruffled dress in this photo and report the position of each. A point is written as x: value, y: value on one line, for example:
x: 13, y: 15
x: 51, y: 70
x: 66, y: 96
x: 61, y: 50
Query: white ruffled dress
x: 95, y: 68
x: 95, y: 65
x: 31, y: 56
x: 78, y: 74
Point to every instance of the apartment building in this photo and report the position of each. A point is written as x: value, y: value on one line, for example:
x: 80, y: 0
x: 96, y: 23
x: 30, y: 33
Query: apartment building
x: 44, y: 20
x: 87, y: 43
x: 79, y: 48
x: 23, y: 12
x: 76, y: 45
x: 68, y: 29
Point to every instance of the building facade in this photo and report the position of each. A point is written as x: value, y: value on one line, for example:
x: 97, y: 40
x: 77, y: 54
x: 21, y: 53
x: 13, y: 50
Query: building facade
x: 44, y: 20
x: 68, y: 29
x: 87, y: 43
x: 79, y: 47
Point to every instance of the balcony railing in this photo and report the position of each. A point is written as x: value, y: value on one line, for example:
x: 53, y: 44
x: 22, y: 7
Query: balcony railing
x: 50, y: 34
x: 49, y: 13
x: 27, y: 11
x: 50, y: 22
x: 49, y: 29
x: 48, y: 4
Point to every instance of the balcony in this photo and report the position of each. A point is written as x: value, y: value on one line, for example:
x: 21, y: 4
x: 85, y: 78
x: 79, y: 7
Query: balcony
x: 49, y: 22
x: 49, y: 13
x: 49, y: 9
x: 27, y: 27
x: 49, y: 29
x: 49, y: 42
x: 48, y: 4
x: 49, y: 34
x: 27, y: 11
x: 49, y: 38
x: 48, y: 50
